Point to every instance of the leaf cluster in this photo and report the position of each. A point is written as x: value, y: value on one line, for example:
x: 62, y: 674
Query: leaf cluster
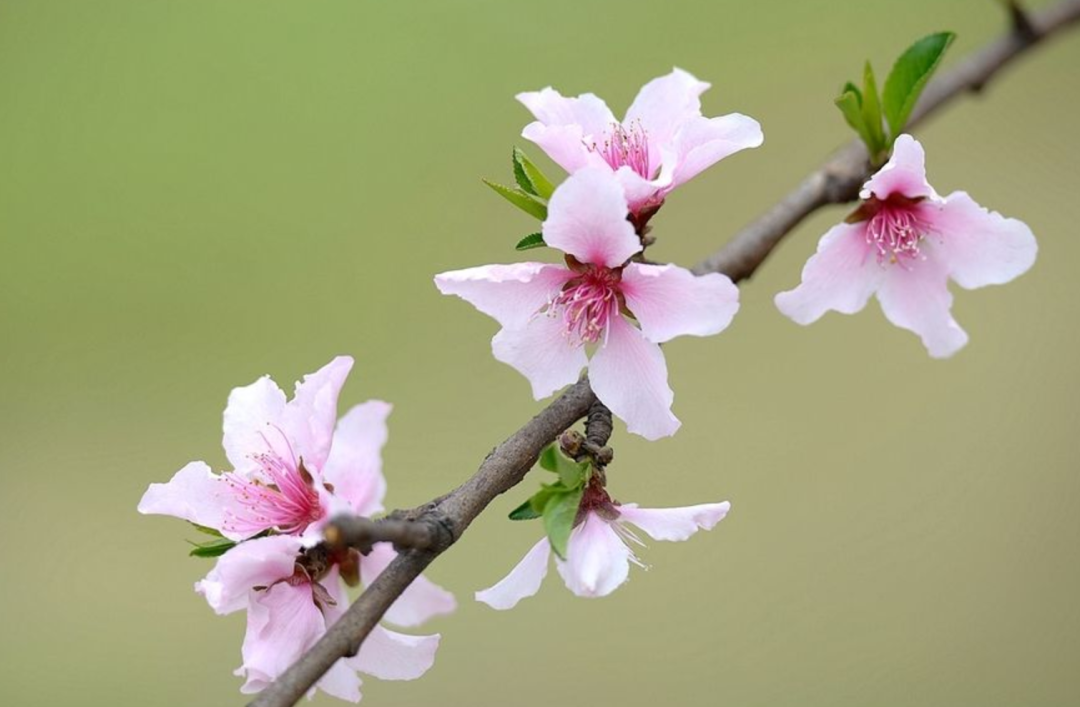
x: 879, y: 118
x: 557, y: 503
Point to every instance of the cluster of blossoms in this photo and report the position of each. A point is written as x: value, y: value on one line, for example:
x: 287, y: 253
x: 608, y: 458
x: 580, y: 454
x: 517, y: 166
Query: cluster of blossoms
x: 294, y: 465
x: 604, y: 307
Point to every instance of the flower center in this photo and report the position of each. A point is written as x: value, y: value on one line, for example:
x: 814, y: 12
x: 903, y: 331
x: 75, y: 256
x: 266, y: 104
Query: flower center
x: 289, y: 503
x: 587, y: 303
x: 626, y: 147
x: 896, y: 231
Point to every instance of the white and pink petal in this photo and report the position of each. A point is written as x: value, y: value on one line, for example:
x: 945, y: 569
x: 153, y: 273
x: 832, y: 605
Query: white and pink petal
x: 629, y: 375
x: 198, y: 495
x: 702, y: 142
x: 674, y: 523
x: 421, y: 600
x: 670, y: 301
x: 903, y: 175
x: 841, y: 276
x: 981, y: 247
x: 522, y: 582
x: 917, y: 298
x: 389, y: 655
x: 542, y: 352
x: 260, y: 562
x: 587, y: 219
x: 510, y: 294
x: 354, y: 467
x: 310, y: 416
x: 597, y: 559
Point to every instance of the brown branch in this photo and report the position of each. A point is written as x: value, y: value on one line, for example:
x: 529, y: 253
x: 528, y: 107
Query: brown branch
x: 837, y: 181
x: 361, y: 534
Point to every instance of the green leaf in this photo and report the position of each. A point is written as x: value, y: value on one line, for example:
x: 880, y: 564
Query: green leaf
x: 549, y: 458
x: 909, y: 76
x: 560, y: 512
x: 849, y: 104
x: 871, y: 113
x: 525, y: 512
x: 572, y: 474
x: 208, y: 531
x: 212, y: 548
x: 521, y: 199
x: 530, y: 178
x: 533, y: 240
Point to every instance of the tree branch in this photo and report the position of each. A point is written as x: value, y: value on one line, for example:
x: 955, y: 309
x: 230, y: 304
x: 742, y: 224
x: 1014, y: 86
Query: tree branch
x: 446, y: 518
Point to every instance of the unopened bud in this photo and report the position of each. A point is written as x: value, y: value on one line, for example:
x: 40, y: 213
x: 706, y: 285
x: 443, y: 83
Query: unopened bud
x: 570, y: 443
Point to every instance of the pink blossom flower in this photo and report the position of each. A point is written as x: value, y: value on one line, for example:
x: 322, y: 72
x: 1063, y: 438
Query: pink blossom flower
x: 663, y: 141
x: 904, y: 243
x: 598, y: 555
x: 550, y: 314
x: 293, y: 468
x: 293, y: 596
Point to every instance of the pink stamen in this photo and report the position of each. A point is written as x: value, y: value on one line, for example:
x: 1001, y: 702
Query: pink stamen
x: 587, y: 303
x: 896, y: 232
x: 288, y: 503
x: 626, y: 147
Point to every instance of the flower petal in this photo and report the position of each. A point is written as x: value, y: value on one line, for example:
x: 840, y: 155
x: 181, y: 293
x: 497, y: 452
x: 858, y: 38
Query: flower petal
x: 354, y: 467
x: 841, y: 276
x: 311, y: 414
x: 389, y: 655
x: 674, y: 523
x: 903, y: 175
x: 421, y: 600
x: 565, y: 127
x: 342, y: 682
x: 587, y: 219
x: 982, y: 247
x: 510, y: 294
x: 702, y: 142
x: 523, y: 581
x: 253, y: 424
x: 917, y: 298
x: 283, y: 623
x: 663, y: 105
x: 542, y: 353
x: 254, y: 563
x: 597, y: 559
x: 195, y: 494
x: 669, y: 301
x: 629, y: 375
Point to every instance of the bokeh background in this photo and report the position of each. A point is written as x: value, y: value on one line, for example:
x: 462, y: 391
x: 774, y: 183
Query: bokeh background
x: 196, y: 193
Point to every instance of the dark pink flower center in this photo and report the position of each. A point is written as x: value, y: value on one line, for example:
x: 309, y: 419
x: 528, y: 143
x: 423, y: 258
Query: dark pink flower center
x: 285, y: 500
x: 896, y: 231
x: 587, y: 303
x: 626, y: 147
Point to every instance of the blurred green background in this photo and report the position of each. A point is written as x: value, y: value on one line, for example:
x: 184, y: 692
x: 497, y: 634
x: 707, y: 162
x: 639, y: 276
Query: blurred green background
x: 196, y: 193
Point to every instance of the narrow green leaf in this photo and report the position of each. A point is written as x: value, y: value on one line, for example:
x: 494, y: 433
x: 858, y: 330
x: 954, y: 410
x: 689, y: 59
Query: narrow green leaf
x: 206, y: 530
x: 560, y: 512
x: 852, y: 88
x: 520, y: 176
x: 909, y: 76
x: 848, y: 103
x: 212, y: 548
x: 871, y: 113
x: 525, y: 512
x: 523, y: 200
x: 533, y: 240
x: 530, y: 178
